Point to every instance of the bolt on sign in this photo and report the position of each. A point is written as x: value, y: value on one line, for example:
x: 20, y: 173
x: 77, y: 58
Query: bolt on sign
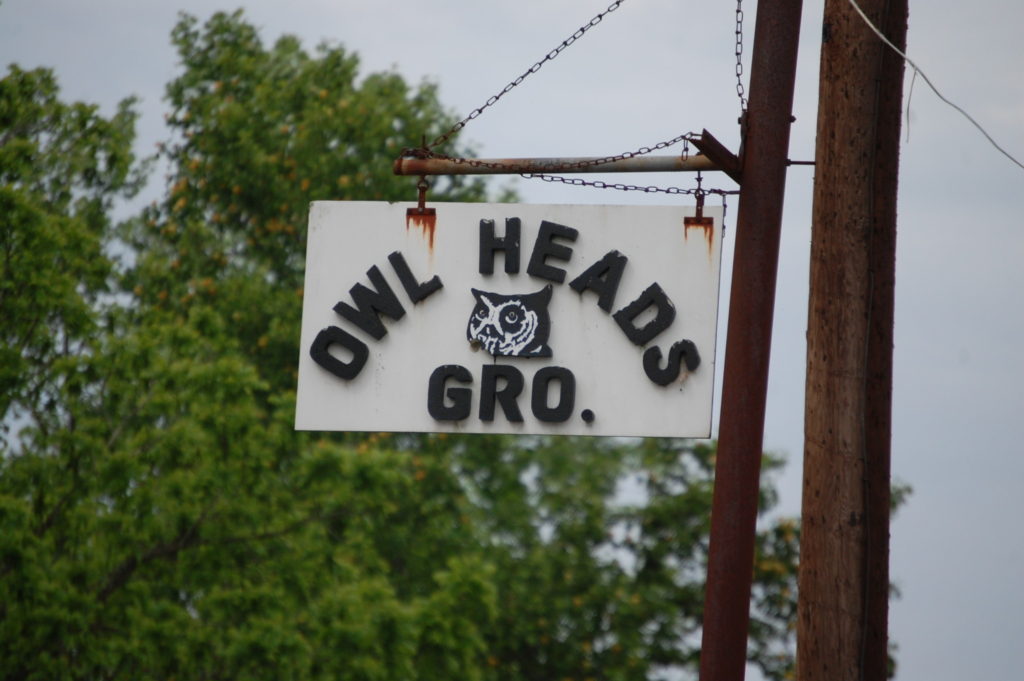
x: 509, y: 318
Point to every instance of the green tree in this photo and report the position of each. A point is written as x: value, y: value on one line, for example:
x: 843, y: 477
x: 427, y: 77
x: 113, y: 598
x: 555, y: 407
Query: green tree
x: 159, y: 516
x: 259, y: 133
x: 61, y: 167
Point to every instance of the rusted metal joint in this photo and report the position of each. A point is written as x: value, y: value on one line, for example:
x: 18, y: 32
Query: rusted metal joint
x: 724, y: 160
x: 415, y: 152
x: 421, y: 216
x: 421, y: 198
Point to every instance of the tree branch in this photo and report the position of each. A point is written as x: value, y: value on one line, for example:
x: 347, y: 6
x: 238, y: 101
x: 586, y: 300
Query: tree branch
x: 188, y: 538
x: 123, y: 572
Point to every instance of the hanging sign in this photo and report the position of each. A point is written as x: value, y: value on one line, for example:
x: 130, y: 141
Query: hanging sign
x: 509, y: 318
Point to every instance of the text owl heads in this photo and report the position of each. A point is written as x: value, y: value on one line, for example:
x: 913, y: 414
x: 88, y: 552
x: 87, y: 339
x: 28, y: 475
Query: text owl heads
x: 511, y: 325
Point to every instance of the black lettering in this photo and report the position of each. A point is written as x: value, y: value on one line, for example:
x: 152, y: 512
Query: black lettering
x: 545, y: 247
x: 371, y: 304
x: 602, y: 278
x: 416, y: 291
x: 460, y: 398
x: 332, y: 335
x: 506, y: 396
x: 509, y: 244
x: 566, y: 394
x: 681, y: 352
x: 665, y: 314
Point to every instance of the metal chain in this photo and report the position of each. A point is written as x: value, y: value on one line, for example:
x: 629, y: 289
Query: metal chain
x: 579, y: 182
x: 530, y: 71
x: 426, y: 151
x: 685, y: 138
x: 599, y: 184
x: 585, y: 163
x: 740, y: 90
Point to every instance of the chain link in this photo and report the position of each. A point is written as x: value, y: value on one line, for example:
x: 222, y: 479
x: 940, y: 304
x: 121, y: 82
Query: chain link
x: 530, y: 71
x: 740, y: 90
x: 685, y: 138
x: 426, y: 151
x: 648, y: 189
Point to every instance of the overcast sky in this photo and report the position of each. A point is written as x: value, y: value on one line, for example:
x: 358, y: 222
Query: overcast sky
x: 654, y: 69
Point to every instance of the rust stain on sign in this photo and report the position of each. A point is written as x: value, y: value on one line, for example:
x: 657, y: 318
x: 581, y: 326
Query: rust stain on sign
x: 702, y: 223
x: 425, y: 220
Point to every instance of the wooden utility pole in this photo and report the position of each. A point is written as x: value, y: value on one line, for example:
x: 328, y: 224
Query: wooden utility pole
x: 842, y: 632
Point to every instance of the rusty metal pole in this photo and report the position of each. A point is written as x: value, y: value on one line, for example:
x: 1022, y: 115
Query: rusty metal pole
x: 747, y: 350
x: 506, y: 166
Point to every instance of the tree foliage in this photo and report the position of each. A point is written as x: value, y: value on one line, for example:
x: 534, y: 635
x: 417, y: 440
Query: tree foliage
x: 61, y: 166
x: 159, y: 516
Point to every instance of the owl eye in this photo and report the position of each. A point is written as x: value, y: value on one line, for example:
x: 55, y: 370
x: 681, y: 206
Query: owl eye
x: 480, y: 313
x: 512, y: 316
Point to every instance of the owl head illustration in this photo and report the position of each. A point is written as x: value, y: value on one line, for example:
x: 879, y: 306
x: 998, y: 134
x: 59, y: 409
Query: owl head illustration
x: 511, y: 325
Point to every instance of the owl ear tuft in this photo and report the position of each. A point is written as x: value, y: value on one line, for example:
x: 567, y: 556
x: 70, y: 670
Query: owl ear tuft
x: 485, y: 298
x: 541, y: 297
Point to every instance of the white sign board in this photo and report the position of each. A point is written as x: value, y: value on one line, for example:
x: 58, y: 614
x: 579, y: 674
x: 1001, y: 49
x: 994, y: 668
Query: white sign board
x: 509, y: 318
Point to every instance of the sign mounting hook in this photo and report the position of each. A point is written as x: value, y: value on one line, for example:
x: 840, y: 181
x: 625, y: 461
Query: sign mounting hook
x: 699, y: 196
x: 421, y: 196
x: 421, y: 211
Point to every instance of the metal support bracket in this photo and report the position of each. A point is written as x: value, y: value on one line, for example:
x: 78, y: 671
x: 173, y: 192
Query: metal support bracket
x: 723, y: 159
x: 421, y: 211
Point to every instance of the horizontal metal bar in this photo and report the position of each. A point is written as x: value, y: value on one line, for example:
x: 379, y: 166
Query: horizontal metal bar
x: 516, y: 166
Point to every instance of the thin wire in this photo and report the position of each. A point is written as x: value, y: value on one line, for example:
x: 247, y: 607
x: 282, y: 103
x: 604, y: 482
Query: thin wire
x: 931, y: 85
x: 910, y: 96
